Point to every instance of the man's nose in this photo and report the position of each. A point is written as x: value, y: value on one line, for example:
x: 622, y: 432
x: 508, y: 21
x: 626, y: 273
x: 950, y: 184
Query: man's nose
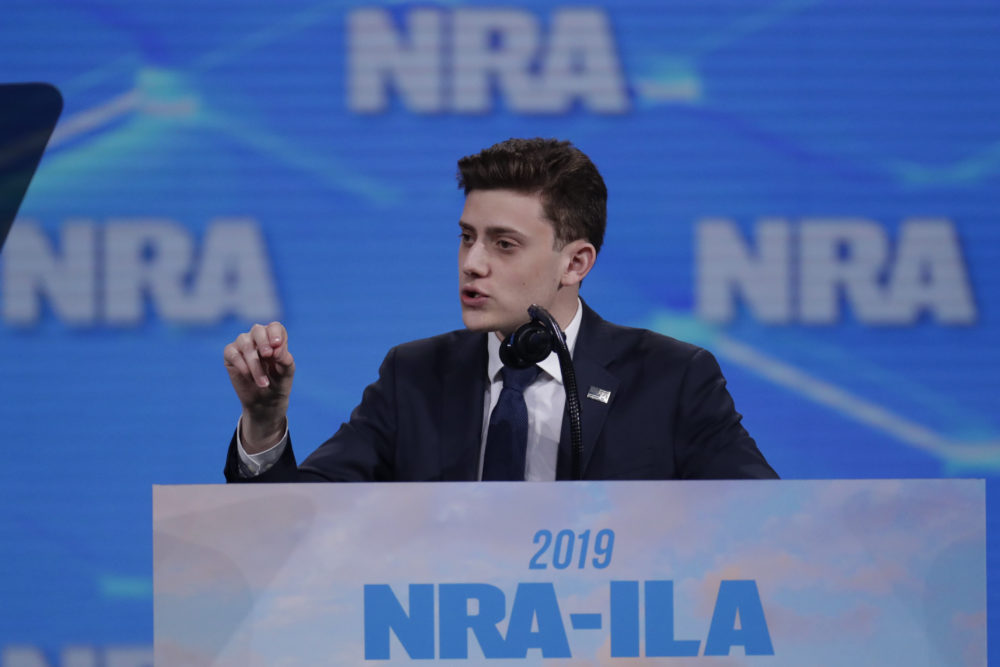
x: 474, y: 261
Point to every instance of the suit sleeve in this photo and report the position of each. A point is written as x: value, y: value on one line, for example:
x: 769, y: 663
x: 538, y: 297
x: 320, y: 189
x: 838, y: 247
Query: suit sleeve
x: 362, y: 450
x: 710, y: 441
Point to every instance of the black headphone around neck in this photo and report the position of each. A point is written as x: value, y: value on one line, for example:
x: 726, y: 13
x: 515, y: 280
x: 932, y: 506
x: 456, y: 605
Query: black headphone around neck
x: 533, y: 341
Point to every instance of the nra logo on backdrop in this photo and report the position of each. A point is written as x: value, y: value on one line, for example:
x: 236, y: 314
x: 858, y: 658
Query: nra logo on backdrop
x: 464, y: 60
x: 820, y: 271
x: 118, y: 273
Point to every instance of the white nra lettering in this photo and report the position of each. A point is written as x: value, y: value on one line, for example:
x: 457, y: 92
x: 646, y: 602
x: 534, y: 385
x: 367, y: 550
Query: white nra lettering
x: 809, y: 272
x: 115, y: 274
x: 459, y: 61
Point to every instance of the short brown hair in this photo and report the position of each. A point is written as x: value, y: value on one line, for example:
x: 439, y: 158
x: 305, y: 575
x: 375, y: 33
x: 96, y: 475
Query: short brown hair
x: 574, y: 197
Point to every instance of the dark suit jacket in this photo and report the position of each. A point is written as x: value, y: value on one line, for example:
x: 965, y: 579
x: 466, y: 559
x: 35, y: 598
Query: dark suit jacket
x: 669, y: 415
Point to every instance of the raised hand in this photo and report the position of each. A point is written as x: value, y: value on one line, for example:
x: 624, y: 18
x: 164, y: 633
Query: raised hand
x: 261, y: 370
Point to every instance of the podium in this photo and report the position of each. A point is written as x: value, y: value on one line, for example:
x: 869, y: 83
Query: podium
x: 839, y: 572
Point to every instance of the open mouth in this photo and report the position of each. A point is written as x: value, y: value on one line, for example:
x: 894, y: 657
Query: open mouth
x: 472, y: 296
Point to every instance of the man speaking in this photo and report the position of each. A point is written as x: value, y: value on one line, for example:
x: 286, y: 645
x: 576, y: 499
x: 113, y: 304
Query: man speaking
x: 446, y: 408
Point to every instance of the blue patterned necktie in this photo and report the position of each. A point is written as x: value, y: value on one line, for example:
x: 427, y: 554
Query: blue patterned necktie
x: 507, y: 437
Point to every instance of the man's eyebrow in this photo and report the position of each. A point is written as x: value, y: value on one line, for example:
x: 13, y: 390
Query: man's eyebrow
x: 493, y: 230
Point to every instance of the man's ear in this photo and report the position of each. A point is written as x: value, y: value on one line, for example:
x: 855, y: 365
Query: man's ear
x: 580, y: 256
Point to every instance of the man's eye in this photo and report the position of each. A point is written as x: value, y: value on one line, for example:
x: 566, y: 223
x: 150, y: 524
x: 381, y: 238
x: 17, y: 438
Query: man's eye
x: 465, y: 237
x: 504, y: 244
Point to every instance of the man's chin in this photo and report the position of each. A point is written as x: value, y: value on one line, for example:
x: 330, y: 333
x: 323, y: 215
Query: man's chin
x: 478, y: 321
x: 474, y: 323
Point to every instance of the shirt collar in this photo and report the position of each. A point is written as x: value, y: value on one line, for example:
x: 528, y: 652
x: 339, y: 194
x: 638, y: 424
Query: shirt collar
x: 549, y: 364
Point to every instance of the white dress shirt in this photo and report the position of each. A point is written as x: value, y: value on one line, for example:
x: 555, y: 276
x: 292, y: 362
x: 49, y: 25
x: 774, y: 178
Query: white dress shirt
x: 545, y: 399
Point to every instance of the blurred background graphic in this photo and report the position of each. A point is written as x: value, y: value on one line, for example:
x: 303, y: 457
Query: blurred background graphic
x: 808, y: 189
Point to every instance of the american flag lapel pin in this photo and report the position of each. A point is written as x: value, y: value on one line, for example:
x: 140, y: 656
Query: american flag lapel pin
x: 598, y: 394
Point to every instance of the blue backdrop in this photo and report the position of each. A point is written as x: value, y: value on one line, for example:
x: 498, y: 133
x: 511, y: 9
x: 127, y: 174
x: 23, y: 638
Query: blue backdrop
x: 809, y: 189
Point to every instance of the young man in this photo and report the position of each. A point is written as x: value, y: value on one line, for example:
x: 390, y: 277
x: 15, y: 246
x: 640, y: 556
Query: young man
x: 533, y: 223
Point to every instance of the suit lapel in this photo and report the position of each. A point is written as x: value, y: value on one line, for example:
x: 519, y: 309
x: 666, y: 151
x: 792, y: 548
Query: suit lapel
x: 464, y: 386
x: 591, y: 355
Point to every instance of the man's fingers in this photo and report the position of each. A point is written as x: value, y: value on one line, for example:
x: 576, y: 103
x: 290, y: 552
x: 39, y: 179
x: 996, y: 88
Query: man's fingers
x: 260, y: 354
x: 282, y: 359
x: 248, y: 350
x: 234, y: 359
x: 259, y: 335
x: 276, y: 334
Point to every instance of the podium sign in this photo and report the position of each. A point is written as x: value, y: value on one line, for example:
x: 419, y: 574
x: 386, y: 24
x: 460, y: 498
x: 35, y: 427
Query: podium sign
x: 764, y: 572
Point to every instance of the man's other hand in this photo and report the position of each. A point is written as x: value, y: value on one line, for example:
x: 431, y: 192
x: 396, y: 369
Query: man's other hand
x: 261, y: 370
